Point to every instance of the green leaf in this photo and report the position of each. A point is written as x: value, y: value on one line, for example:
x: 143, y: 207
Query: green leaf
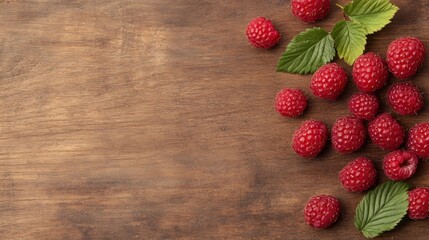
x: 350, y: 40
x: 307, y: 52
x: 372, y: 14
x: 382, y: 208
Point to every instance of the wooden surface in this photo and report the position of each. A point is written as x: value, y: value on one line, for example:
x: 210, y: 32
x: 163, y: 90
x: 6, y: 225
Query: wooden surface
x: 154, y: 119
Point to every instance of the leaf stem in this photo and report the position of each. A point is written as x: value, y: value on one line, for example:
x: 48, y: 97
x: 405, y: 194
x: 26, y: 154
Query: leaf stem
x: 338, y: 5
x: 346, y: 17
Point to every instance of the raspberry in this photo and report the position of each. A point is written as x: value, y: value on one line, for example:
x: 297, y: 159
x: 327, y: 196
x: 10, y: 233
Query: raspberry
x: 261, y: 33
x: 348, y: 135
x: 358, y: 175
x: 400, y: 165
x: 370, y: 72
x: 405, y: 56
x: 291, y: 102
x: 386, y: 132
x: 310, y: 138
x: 405, y: 98
x: 364, y: 105
x: 418, y: 140
x: 328, y: 82
x: 418, y: 207
x: 310, y: 10
x: 322, y: 211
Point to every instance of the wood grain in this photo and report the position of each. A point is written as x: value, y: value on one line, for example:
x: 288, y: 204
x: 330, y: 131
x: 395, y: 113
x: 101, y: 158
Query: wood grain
x: 154, y: 119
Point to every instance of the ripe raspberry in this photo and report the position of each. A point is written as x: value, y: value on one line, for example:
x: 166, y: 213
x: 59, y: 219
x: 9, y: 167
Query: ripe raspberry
x: 358, y: 175
x: 261, y: 33
x: 322, y: 211
x: 418, y: 199
x: 291, y: 102
x: 310, y: 138
x: 348, y: 135
x: 364, y: 105
x: 386, y: 132
x: 400, y: 165
x: 418, y: 140
x: 310, y: 10
x: 405, y: 98
x: 405, y: 56
x: 370, y: 72
x: 328, y: 82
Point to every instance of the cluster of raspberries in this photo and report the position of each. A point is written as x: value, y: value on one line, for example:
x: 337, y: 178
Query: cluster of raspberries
x: 370, y: 73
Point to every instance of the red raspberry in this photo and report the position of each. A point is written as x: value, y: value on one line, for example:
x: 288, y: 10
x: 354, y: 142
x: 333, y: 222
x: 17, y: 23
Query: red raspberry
x: 291, y: 102
x: 418, y: 207
x: 400, y: 165
x: 261, y: 33
x: 328, y: 82
x: 405, y: 98
x: 348, y: 135
x: 358, y: 175
x: 418, y: 140
x: 322, y: 211
x: 405, y: 56
x: 310, y: 138
x: 386, y: 132
x: 364, y: 105
x: 310, y: 10
x: 370, y: 72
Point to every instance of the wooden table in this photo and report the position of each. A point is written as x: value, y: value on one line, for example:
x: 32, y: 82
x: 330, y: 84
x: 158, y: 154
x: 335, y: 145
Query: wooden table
x: 154, y: 119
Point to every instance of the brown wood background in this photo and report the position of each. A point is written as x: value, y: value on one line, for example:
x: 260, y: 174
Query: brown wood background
x: 154, y: 119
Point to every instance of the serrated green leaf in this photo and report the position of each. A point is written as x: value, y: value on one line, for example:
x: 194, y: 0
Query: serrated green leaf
x: 307, y: 52
x: 372, y: 14
x: 382, y: 208
x: 350, y: 40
